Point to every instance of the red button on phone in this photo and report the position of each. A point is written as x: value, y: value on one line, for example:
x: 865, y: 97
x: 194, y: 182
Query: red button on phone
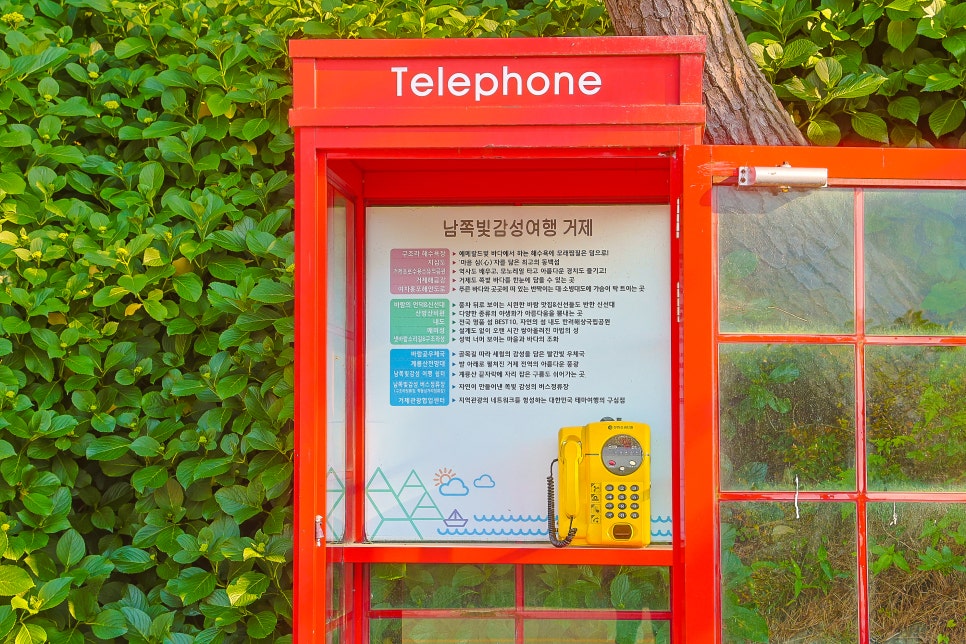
x: 612, y: 463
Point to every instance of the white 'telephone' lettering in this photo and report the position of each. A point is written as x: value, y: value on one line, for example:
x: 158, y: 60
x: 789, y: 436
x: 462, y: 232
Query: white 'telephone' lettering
x: 506, y: 83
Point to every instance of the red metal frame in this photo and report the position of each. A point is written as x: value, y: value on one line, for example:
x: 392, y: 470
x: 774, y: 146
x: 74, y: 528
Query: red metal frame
x: 703, y: 168
x: 632, y: 148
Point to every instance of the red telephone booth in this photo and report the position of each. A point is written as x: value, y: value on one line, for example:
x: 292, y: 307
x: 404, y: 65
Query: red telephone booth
x: 496, y: 239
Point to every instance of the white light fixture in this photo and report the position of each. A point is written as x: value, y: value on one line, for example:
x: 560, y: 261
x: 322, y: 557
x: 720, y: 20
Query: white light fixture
x: 783, y: 176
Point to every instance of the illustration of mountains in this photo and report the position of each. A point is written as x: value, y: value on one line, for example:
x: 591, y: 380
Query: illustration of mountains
x: 398, y: 511
x: 335, y: 510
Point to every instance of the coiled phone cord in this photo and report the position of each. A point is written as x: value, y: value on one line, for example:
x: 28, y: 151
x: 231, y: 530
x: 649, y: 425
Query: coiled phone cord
x: 551, y: 524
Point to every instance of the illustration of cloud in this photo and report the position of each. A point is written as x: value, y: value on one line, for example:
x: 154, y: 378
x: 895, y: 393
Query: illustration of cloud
x: 454, y: 487
x: 484, y: 481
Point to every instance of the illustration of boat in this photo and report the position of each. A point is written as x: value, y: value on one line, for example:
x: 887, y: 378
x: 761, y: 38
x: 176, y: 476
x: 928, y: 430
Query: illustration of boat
x: 455, y: 520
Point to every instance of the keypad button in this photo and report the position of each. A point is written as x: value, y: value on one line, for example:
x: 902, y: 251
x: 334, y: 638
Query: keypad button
x: 635, y: 497
x: 621, y: 515
x: 634, y: 506
x: 635, y: 515
x: 635, y: 488
x: 609, y: 506
x: 621, y: 506
x: 621, y: 488
x: 622, y: 497
x: 609, y: 497
x: 609, y: 487
x: 609, y: 515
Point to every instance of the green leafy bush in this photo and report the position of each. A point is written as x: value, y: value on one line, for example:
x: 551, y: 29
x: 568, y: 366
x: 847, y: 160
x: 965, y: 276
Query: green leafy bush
x: 882, y: 72
x: 146, y: 263
x: 146, y: 330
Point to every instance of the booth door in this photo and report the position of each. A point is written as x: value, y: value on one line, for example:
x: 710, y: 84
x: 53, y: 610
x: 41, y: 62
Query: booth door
x: 837, y: 325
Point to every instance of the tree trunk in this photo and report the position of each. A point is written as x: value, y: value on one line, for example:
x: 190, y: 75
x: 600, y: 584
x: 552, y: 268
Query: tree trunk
x: 742, y: 107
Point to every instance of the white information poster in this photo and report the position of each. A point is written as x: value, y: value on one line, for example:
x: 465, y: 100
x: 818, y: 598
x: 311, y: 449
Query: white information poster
x: 488, y: 329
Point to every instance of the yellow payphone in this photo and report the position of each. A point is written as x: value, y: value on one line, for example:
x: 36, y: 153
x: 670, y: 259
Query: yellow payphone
x: 605, y: 485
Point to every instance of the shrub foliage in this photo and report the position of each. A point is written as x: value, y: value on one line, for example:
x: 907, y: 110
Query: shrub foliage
x: 146, y: 330
x: 880, y: 72
x: 146, y: 265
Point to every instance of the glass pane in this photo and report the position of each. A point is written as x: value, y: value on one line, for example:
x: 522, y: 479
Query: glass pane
x: 915, y: 262
x: 336, y: 402
x: 617, y: 587
x: 917, y: 572
x: 335, y: 584
x: 596, y: 631
x: 456, y: 630
x: 787, y: 412
x: 789, y: 573
x: 337, y: 339
x: 441, y: 586
x: 916, y: 411
x: 785, y: 261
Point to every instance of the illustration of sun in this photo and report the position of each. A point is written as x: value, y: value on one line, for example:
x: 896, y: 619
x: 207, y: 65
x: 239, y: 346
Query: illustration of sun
x: 443, y: 476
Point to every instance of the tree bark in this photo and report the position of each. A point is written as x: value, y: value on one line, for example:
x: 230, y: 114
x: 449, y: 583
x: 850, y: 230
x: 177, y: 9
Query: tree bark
x: 742, y: 107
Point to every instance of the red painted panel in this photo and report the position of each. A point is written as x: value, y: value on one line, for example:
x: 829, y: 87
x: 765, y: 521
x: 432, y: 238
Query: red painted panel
x: 496, y: 47
x: 480, y: 553
x: 536, y: 138
x: 435, y: 91
x: 355, y: 85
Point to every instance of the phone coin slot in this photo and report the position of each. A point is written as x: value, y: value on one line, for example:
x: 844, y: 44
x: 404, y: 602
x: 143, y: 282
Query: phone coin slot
x: 622, y: 531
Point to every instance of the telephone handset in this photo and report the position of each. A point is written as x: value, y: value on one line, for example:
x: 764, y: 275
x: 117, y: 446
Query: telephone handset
x: 605, y: 485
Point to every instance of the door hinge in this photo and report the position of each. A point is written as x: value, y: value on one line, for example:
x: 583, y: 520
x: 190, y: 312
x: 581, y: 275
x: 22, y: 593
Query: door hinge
x: 319, y: 531
x: 677, y: 218
x: 679, y: 303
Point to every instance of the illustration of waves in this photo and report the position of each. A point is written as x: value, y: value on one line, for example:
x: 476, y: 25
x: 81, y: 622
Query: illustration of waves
x: 488, y: 532
x: 492, y: 518
x: 522, y: 532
